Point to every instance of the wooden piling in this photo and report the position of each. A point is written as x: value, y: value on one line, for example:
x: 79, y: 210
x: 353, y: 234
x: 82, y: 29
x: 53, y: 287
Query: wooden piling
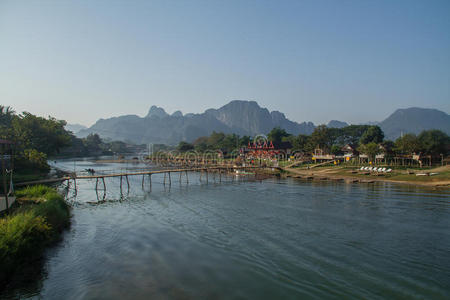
x: 150, y: 181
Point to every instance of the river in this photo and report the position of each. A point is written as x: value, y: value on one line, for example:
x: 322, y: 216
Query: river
x: 248, y: 239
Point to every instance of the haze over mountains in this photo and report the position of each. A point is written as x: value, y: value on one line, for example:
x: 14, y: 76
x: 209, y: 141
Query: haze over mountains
x: 243, y: 118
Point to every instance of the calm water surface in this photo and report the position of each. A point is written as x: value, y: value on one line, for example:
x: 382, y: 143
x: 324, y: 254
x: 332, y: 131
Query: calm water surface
x: 275, y: 239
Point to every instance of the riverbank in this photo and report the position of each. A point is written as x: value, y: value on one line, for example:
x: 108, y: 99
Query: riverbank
x: 441, y: 177
x: 36, y: 223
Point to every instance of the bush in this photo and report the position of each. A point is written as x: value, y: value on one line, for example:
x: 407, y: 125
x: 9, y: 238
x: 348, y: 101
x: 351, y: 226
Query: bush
x: 25, y: 234
x: 31, y: 160
x: 36, y: 192
x: 22, y: 238
x: 55, y: 211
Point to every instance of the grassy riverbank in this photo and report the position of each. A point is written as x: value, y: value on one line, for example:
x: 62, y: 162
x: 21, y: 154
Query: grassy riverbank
x: 440, y: 175
x: 32, y: 226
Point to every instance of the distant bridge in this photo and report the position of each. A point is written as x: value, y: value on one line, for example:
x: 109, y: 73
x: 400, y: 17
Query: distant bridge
x: 74, y: 177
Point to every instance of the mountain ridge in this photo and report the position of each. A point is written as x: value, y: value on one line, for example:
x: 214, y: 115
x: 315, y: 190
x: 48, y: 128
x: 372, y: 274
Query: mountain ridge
x: 244, y: 118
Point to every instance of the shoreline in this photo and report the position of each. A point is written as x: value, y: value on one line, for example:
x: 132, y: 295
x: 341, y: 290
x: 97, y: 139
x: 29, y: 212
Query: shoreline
x: 327, y: 174
x: 35, y: 224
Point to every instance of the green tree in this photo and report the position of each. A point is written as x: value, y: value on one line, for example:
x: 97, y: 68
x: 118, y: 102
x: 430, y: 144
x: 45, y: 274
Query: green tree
x: 184, y: 146
x: 321, y: 137
x: 349, y: 134
x: 276, y: 135
x: 118, y: 147
x: 244, y: 140
x: 215, y: 140
x: 201, y: 144
x: 434, y: 142
x: 93, y: 142
x: 7, y: 115
x: 370, y: 149
x: 300, y: 142
x: 407, y: 144
x: 336, y: 149
x: 373, y: 134
x: 44, y: 135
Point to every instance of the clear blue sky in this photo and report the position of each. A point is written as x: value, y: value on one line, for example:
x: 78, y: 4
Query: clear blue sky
x: 314, y: 60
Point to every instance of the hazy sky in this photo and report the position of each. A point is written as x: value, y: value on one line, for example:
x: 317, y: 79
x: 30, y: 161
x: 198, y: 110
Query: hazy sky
x: 313, y: 60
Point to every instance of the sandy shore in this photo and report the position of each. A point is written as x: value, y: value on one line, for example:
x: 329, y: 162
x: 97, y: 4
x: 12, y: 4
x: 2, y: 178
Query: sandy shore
x: 335, y: 173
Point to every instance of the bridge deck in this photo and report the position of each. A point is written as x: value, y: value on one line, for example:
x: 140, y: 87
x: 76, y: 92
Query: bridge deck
x: 60, y: 179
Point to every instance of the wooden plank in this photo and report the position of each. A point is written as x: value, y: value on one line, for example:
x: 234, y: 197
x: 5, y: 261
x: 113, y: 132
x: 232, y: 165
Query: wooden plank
x: 103, y: 176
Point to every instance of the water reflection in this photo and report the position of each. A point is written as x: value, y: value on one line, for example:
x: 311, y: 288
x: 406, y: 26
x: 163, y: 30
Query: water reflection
x: 268, y: 239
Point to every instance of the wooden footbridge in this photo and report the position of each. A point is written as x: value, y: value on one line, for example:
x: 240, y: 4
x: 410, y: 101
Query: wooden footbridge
x: 226, y: 169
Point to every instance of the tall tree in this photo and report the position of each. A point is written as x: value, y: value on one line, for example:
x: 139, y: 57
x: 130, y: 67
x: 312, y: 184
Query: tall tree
x: 407, y: 144
x: 276, y: 135
x: 321, y: 137
x: 434, y: 142
x: 44, y: 135
x: 373, y: 134
x: 370, y: 149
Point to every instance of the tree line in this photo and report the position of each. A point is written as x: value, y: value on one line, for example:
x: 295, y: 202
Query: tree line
x: 36, y: 138
x: 367, y: 139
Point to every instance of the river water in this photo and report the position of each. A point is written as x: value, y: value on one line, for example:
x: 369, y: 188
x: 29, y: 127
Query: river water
x: 247, y: 239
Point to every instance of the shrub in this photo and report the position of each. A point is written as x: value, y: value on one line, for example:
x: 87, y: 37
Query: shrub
x: 35, y: 192
x: 55, y: 211
x: 22, y: 238
x: 25, y: 234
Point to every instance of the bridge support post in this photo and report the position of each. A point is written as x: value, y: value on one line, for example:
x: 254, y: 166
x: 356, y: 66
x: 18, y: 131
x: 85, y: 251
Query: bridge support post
x: 164, y: 178
x: 170, y: 180
x: 128, y: 183
x: 187, y: 179
x: 104, y: 184
x: 143, y: 178
x: 150, y: 181
x: 96, y: 184
x: 120, y: 184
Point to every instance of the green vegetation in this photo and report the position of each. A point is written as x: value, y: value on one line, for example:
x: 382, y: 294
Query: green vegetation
x: 36, y: 138
x: 365, y: 139
x: 26, y: 232
x: 398, y: 174
x: 371, y: 149
x: 93, y: 145
x: 216, y: 141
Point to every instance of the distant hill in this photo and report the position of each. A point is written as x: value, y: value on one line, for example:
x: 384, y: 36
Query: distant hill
x: 75, y: 128
x: 414, y: 120
x: 336, y: 124
x: 243, y: 118
x: 240, y: 117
